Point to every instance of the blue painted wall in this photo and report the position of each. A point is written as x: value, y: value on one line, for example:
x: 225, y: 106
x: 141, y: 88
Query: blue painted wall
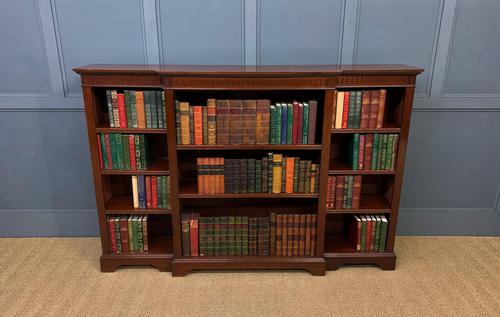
x: 453, y: 167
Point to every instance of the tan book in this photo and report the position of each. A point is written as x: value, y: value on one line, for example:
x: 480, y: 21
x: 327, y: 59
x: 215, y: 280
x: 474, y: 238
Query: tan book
x: 249, y: 121
x: 277, y: 162
x: 145, y: 233
x: 141, y: 114
x: 339, y: 110
x: 184, y: 118
x: 135, y: 192
x: 211, y: 122
x: 262, y: 122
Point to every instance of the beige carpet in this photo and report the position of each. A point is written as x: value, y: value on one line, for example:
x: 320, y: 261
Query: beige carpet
x: 435, y: 276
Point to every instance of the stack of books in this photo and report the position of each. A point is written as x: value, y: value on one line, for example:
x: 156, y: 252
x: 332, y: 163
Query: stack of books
x: 136, y: 109
x: 279, y: 235
x: 343, y: 192
x: 151, y: 191
x: 128, y: 234
x: 359, y: 109
x: 123, y: 151
x: 374, y: 151
x: 271, y: 174
x: 368, y: 233
x: 245, y: 122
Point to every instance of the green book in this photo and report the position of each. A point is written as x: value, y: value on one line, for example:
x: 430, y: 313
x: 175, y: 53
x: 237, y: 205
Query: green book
x: 154, y: 109
x: 270, y: 172
x: 159, y: 191
x: 109, y: 102
x: 191, y: 125
x: 302, y: 172
x: 265, y: 176
x: 147, y: 108
x: 243, y: 176
x: 119, y: 151
x: 177, y: 122
x: 375, y: 151
x: 133, y: 109
x: 383, y: 156
x: 103, y: 151
x: 168, y: 192
x: 142, y: 146
x: 251, y: 180
x: 350, y: 187
x: 126, y: 151
x: 216, y: 234
x: 118, y: 235
x: 159, y: 110
x: 357, y: 110
x: 231, y: 242
x: 374, y: 232
x: 296, y: 175
x: 390, y: 150
x: 272, y: 126
x: 164, y: 195
x: 289, y: 129
x: 164, y: 112
x: 307, y: 177
x: 114, y: 154
x: 378, y: 224
x: 237, y: 235
x: 202, y: 236
x: 128, y: 110
x: 204, y: 115
x: 135, y: 234
x: 383, y: 234
x: 355, y: 151
x: 140, y: 241
x: 351, y: 111
x: 363, y: 233
x: 244, y: 235
x: 278, y: 124
x: 258, y: 176
x: 283, y: 175
x: 210, y: 235
x: 223, y: 236
x: 305, y: 123
x: 138, y: 160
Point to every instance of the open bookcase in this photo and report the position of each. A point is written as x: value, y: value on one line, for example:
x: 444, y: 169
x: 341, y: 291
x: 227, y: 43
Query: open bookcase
x: 169, y: 165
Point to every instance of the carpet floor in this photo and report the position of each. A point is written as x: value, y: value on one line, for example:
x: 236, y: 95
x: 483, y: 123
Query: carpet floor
x: 435, y: 276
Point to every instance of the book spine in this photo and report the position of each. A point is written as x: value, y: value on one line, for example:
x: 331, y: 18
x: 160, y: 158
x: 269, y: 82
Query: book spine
x: 99, y: 148
x: 198, y: 125
x: 185, y: 235
x: 121, y: 110
x: 140, y: 243
x: 249, y: 121
x: 313, y: 235
x: 211, y: 121
x: 244, y: 235
x: 272, y: 118
x: 372, y: 121
x: 265, y: 176
x: 276, y: 182
x: 311, y: 134
x: 356, y: 193
x: 361, y: 151
x: 346, y: 108
x: 139, y: 106
x: 177, y: 122
x: 365, y: 109
x: 381, y: 108
x: 184, y: 122
x: 339, y: 193
x: 133, y: 109
x: 394, y: 151
x: 204, y: 128
x: 383, y: 234
x: 191, y: 125
x: 147, y: 109
x: 300, y: 123
x: 109, y: 103
x: 290, y: 236
x: 119, y: 151
x: 135, y: 192
x: 302, y: 235
x: 154, y: 192
x: 222, y: 119
x: 243, y: 176
x: 278, y: 124
x: 270, y: 173
x: 112, y: 235
x: 357, y: 114
x: 352, y: 110
x: 339, y: 108
x: 283, y: 175
x: 279, y: 235
x: 262, y: 121
x: 263, y: 236
x: 123, y: 233
x: 290, y: 171
x: 284, y: 123
x: 128, y: 110
x: 251, y: 176
x: 236, y: 121
x: 126, y: 151
x: 307, y: 177
x: 296, y: 235
x: 223, y: 236
x: 368, y: 152
x: 307, y: 243
x: 272, y: 234
x: 295, y: 123
x: 258, y: 176
x: 302, y: 172
x: 193, y: 234
x: 153, y: 109
x: 355, y: 151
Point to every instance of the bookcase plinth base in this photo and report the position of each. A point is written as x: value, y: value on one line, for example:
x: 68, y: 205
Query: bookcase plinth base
x: 386, y: 261
x: 111, y: 262
x: 182, y: 266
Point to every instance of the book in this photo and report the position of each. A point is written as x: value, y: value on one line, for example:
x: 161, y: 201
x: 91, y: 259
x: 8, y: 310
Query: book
x: 198, y: 125
x: 263, y: 236
x: 311, y: 134
x: 177, y: 122
x: 236, y: 122
x: 365, y: 109
x: 193, y: 233
x: 381, y: 108
x: 374, y: 105
x: 211, y: 122
x: 337, y: 124
x: 184, y: 121
x: 249, y: 121
x: 276, y: 182
x: 284, y: 123
x: 262, y: 121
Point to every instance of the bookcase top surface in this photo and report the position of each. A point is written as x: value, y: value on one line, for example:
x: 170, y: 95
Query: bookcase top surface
x: 248, y: 70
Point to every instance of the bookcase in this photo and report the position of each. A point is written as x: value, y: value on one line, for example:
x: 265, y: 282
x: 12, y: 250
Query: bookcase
x: 353, y: 193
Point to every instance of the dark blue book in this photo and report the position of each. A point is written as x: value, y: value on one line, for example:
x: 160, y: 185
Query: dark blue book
x: 141, y: 190
x: 284, y: 123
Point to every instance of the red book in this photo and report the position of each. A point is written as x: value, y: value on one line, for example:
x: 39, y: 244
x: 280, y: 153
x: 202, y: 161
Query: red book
x: 365, y: 109
x: 300, y: 121
x: 368, y: 151
x: 372, y: 121
x: 328, y: 189
x: 295, y: 123
x: 108, y: 151
x: 131, y: 145
x: 124, y: 234
x: 154, y: 192
x: 193, y: 233
x: 356, y: 191
x: 198, y: 125
x: 345, y: 110
x: 332, y: 191
x: 148, y: 192
x: 101, y: 162
x: 368, y: 238
x: 121, y: 110
x: 339, y: 193
x: 361, y: 157
x: 112, y: 235
x: 381, y: 108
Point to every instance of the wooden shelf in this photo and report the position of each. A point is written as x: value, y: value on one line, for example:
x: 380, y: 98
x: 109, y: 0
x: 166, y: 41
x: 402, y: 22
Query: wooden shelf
x: 189, y: 190
x: 389, y: 128
x: 117, y: 205
x: 267, y: 147
x: 104, y: 129
x: 367, y: 204
x: 338, y: 167
x: 157, y: 167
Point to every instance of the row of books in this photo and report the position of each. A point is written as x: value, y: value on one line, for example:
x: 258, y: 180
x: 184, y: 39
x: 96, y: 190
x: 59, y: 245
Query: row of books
x: 245, y: 122
x: 151, y: 191
x: 369, y: 233
x: 374, y: 151
x: 128, y: 234
x: 123, y: 151
x: 279, y: 235
x: 136, y: 109
x: 359, y: 109
x: 272, y: 174
x: 343, y: 192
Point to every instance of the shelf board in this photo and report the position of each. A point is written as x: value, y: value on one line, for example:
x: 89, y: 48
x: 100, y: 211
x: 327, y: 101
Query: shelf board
x: 391, y: 128
x: 117, y: 205
x: 104, y: 129
x: 189, y: 190
x: 340, y: 168
x: 367, y: 204
x: 158, y: 246
x: 157, y: 167
x: 267, y: 147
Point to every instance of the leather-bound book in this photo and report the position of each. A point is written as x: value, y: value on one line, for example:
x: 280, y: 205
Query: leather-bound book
x: 290, y: 169
x: 222, y: 122
x: 121, y: 110
x: 295, y: 124
x: 221, y: 175
x: 262, y: 121
x: 277, y: 162
x: 302, y: 175
x: 139, y: 104
x: 357, y: 111
x: 305, y: 123
x: 296, y: 235
x: 361, y: 152
x: 263, y: 236
x: 339, y: 193
x: 300, y: 123
x: 199, y: 169
x: 112, y: 235
x: 154, y: 192
x: 231, y: 242
x: 356, y: 193
x: 381, y: 108
x: 374, y: 100
x: 185, y: 234
x: 296, y: 175
x: 217, y: 235
x: 284, y: 123
x: 313, y: 235
x: 223, y: 236
x: 394, y: 151
x: 307, y: 244
x: 279, y: 234
x: 283, y: 175
x: 311, y: 134
x: 284, y: 235
x: 203, y: 236
x: 184, y: 119
x: 211, y: 122
x: 237, y: 235
x: 243, y: 176
x: 236, y: 121
x: 265, y: 174
x: 272, y: 234
x: 368, y: 152
x: 249, y: 121
x: 251, y: 176
x: 258, y: 176
x: 345, y: 109
x: 365, y: 108
x: 307, y: 177
x: 191, y: 125
x: 302, y: 235
x: 290, y: 235
x: 228, y: 176
x: 204, y: 115
x: 270, y: 179
x: 244, y: 235
x: 177, y: 120
x: 193, y: 233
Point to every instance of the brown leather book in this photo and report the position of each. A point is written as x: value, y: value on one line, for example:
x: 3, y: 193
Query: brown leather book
x: 313, y: 109
x: 290, y: 235
x: 249, y: 121
x: 139, y: 103
x: 279, y: 234
x: 198, y: 125
x: 372, y: 122
x: 302, y: 235
x: 356, y: 192
x: 262, y: 122
x: 221, y: 176
x: 272, y: 237
x: 193, y: 233
x: 368, y: 151
x: 199, y: 168
x: 296, y: 234
x: 236, y: 122
x: 211, y: 175
x: 222, y: 121
x: 211, y: 122
x: 290, y: 169
x: 205, y: 175
x: 365, y: 109
x: 215, y: 177
x: 381, y: 108
x: 307, y: 246
x: 184, y: 118
x: 313, y: 235
x: 284, y: 235
x: 339, y: 193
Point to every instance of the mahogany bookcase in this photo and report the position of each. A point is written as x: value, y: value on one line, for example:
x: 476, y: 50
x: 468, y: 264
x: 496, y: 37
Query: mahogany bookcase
x: 319, y: 82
